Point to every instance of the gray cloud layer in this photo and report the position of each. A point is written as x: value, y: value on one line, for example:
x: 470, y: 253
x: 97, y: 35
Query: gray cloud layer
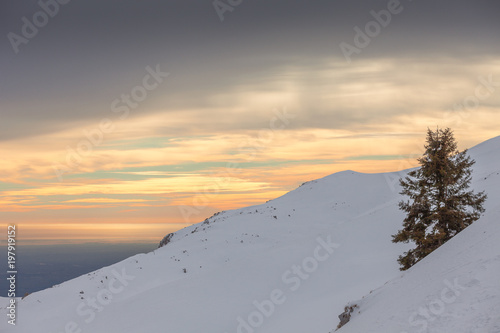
x: 92, y: 51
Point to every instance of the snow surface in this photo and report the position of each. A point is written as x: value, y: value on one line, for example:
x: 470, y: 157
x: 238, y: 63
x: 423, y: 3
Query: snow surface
x: 290, y: 266
x: 457, y: 287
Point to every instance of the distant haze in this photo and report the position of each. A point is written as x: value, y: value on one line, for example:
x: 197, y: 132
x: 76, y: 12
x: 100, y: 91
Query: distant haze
x: 43, y: 266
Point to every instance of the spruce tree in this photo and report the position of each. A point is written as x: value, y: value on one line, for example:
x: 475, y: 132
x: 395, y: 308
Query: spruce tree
x: 440, y: 203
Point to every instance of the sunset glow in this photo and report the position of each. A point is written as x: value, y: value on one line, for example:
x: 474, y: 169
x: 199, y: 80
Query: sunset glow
x: 233, y: 128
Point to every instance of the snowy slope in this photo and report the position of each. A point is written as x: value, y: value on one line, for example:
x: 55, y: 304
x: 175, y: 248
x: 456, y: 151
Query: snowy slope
x: 457, y: 287
x: 289, y: 265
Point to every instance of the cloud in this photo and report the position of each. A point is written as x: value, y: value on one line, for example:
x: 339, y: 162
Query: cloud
x: 218, y: 105
x: 265, y: 53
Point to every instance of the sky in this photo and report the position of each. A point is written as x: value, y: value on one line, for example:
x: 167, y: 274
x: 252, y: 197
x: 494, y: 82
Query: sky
x: 123, y: 121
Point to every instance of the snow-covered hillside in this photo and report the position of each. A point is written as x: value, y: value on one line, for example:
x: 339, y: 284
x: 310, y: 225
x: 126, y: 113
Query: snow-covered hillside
x: 291, y: 265
x: 457, y: 287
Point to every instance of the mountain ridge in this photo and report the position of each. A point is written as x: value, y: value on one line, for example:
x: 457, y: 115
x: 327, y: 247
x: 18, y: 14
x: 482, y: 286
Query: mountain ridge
x: 227, y: 273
